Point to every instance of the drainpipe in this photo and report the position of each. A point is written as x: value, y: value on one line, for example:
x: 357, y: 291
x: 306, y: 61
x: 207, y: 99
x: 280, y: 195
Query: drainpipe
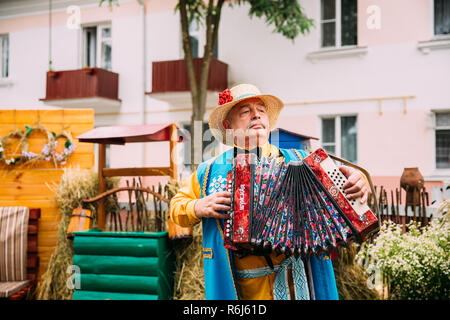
x: 144, y: 73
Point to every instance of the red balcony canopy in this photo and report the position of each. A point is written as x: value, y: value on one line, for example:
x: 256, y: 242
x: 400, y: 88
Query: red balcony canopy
x: 126, y: 134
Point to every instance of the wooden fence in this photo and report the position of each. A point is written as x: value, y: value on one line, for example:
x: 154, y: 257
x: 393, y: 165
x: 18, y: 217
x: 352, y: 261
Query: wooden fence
x: 393, y: 208
x: 33, y: 186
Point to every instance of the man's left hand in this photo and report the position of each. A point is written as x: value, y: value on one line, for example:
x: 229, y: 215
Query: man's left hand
x: 356, y: 186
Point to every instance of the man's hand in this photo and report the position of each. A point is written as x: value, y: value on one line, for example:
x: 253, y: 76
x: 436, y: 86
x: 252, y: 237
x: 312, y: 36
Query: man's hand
x: 209, y: 206
x: 356, y: 186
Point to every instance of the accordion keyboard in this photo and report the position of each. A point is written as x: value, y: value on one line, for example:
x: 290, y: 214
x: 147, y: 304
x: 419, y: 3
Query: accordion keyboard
x: 339, y: 180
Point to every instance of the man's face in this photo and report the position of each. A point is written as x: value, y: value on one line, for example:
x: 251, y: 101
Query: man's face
x: 250, y: 122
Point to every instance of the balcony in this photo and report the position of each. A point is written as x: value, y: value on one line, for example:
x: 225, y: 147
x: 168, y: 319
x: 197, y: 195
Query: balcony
x: 170, y: 81
x: 83, y: 88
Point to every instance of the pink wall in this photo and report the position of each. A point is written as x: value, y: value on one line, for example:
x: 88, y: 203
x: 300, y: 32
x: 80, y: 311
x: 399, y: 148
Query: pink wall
x: 401, y: 21
x: 88, y: 15
x: 389, y: 142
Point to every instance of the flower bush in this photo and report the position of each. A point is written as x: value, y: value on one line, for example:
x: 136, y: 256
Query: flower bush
x: 416, y: 263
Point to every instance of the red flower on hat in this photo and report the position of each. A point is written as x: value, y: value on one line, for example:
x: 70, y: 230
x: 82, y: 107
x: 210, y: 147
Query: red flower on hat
x: 225, y: 97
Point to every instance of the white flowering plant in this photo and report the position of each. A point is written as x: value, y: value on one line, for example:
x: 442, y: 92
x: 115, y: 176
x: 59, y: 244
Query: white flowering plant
x: 416, y: 263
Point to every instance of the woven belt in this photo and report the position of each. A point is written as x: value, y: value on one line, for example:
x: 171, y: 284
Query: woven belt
x: 281, y: 286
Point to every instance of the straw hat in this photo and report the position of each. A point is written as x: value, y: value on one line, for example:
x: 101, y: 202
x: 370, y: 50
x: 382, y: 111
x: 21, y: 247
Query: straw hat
x: 229, y: 98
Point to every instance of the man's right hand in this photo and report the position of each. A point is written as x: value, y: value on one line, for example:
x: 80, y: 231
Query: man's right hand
x: 209, y: 206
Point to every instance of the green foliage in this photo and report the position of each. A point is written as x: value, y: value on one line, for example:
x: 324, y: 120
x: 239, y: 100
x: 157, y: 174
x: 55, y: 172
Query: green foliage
x: 286, y: 16
x: 416, y: 263
x: 196, y: 10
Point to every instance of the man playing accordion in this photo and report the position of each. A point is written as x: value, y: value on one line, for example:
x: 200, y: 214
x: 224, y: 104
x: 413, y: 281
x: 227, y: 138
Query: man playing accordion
x: 243, y: 119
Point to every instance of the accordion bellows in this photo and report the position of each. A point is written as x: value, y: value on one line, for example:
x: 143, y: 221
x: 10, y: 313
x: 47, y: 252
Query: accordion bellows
x: 297, y: 208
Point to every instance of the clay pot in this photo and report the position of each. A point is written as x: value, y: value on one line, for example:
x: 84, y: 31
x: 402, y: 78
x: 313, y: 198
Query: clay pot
x: 412, y: 182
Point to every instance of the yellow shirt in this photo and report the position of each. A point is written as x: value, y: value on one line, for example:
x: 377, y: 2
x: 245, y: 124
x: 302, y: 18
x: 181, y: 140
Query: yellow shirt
x: 181, y: 211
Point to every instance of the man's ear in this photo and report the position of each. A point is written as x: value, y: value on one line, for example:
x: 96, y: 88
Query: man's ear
x: 226, y: 124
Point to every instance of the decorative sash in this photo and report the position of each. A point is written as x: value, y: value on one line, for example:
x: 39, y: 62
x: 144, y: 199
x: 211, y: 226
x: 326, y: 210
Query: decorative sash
x: 281, y: 286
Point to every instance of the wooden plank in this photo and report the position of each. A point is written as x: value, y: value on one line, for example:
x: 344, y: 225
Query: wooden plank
x: 30, y: 116
x: 47, y: 239
x: 173, y: 151
x: 48, y: 225
x: 101, y: 186
x: 26, y: 192
x: 56, y: 128
x: 83, y: 160
x: 43, y: 204
x: 128, y: 172
x: 36, y: 176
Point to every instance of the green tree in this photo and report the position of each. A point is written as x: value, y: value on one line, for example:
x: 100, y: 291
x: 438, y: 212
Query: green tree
x: 285, y: 16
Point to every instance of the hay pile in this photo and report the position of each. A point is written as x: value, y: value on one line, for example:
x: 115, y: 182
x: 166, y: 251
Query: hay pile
x: 75, y: 185
x: 351, y: 279
x: 189, y: 283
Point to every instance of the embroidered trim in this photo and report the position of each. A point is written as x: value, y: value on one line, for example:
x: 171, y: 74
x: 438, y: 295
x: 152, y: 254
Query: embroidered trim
x: 205, y: 182
x: 298, y: 154
x: 207, y: 253
x: 205, y: 179
x: 257, y: 272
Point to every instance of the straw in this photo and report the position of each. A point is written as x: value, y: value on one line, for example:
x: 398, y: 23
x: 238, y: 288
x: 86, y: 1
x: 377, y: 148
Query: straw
x: 75, y: 185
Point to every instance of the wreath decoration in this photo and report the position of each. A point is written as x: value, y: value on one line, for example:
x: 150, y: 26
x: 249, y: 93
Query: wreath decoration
x: 69, y: 147
x: 17, y: 133
x: 48, y: 151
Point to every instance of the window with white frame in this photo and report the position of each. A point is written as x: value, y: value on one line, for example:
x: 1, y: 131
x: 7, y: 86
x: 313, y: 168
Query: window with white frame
x: 339, y: 136
x: 97, y: 46
x: 210, y: 146
x: 442, y: 138
x: 4, y: 56
x: 338, y: 21
x: 442, y: 17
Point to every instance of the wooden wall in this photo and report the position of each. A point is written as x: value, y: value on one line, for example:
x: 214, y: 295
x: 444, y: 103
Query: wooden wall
x: 32, y: 186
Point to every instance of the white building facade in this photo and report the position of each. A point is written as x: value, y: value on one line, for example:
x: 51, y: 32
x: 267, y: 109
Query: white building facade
x: 371, y: 80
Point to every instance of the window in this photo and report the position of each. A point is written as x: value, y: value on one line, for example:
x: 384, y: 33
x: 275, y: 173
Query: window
x: 4, y: 56
x: 338, y: 20
x: 339, y: 136
x: 194, y: 38
x: 442, y: 140
x: 210, y: 146
x: 441, y: 17
x: 97, y: 43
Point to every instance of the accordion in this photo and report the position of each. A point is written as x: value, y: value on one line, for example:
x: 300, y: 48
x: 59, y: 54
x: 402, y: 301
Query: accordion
x: 297, y: 208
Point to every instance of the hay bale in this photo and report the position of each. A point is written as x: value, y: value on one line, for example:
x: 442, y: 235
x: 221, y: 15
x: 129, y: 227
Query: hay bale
x: 351, y: 279
x: 189, y: 277
x: 75, y: 185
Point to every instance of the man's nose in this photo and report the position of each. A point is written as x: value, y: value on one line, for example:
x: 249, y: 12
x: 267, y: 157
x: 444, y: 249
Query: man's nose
x: 256, y: 114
